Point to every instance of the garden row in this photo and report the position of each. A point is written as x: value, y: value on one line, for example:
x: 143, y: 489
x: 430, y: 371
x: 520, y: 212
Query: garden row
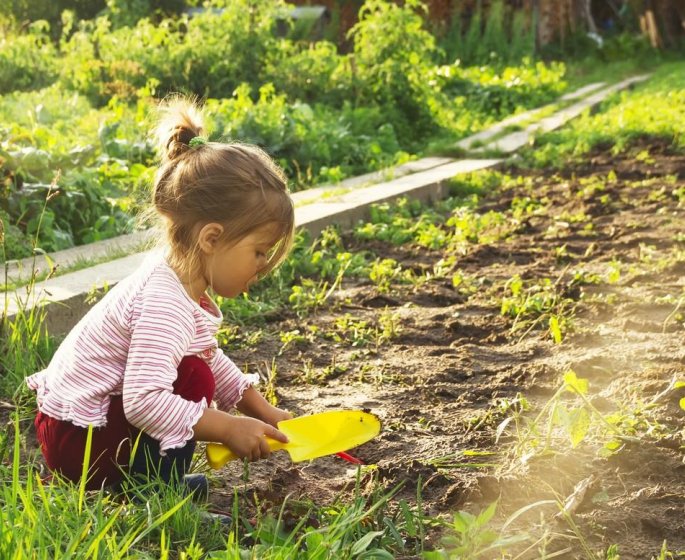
x: 523, y: 347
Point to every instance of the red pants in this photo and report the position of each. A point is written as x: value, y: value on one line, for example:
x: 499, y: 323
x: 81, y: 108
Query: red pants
x: 63, y: 444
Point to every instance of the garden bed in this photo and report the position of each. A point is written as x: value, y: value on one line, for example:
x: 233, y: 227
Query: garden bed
x: 579, y: 270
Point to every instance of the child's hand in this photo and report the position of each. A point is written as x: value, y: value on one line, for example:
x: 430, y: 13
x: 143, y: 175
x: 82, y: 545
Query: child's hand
x: 273, y: 415
x: 246, y: 438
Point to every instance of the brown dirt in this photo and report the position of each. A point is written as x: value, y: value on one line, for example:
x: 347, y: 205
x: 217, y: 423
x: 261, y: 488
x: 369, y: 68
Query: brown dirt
x: 436, y: 384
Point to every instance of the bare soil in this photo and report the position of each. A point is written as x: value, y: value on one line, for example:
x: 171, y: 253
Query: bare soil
x: 436, y: 385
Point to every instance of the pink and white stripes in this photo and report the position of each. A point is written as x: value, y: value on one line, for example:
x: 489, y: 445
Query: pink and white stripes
x: 131, y: 343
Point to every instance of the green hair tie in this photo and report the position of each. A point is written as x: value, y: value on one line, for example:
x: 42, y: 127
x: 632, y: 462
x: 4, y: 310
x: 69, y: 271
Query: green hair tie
x: 197, y: 141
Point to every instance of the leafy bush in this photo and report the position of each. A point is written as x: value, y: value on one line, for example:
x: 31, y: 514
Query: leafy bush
x: 27, y: 60
x: 307, y: 71
x: 208, y: 54
x: 499, y: 91
x: 390, y: 73
x: 322, y: 114
x: 102, y: 160
x: 355, y: 139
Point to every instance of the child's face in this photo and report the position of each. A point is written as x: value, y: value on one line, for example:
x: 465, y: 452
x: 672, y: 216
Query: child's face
x: 234, y: 267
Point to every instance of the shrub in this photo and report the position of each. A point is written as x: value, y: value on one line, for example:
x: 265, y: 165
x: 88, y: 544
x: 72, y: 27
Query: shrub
x: 312, y: 142
x: 27, y: 60
x: 390, y: 72
x: 307, y: 71
x: 209, y: 54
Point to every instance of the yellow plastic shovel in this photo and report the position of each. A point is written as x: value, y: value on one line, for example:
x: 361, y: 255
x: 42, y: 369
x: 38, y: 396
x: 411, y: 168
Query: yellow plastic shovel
x: 312, y: 436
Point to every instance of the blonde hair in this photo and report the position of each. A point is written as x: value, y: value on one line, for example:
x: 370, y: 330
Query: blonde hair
x: 236, y: 185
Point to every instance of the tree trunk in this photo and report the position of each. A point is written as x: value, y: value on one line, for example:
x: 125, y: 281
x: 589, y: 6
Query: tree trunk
x: 587, y: 13
x: 670, y: 18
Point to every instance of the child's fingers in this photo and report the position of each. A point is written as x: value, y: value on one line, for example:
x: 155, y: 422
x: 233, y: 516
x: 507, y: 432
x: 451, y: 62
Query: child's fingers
x: 273, y: 433
x: 264, y: 449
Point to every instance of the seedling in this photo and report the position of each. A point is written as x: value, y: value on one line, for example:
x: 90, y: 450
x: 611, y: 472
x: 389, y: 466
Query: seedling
x: 268, y: 375
x: 384, y: 272
x: 470, y: 536
x: 348, y: 330
x: 571, y: 418
x: 463, y: 459
x: 297, y: 337
x: 536, y: 304
x: 310, y: 295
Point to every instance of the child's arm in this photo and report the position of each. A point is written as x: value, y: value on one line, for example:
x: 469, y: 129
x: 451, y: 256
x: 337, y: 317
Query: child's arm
x: 242, y: 435
x: 234, y: 389
x: 255, y: 405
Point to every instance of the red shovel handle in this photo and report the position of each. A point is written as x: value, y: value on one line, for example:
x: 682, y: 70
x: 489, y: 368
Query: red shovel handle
x: 349, y: 458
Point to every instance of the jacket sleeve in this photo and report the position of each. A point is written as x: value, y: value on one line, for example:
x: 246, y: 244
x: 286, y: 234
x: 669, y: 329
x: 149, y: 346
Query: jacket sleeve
x: 230, y: 381
x: 161, y: 332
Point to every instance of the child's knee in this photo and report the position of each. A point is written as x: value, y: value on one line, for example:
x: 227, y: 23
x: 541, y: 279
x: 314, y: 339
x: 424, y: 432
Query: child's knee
x: 195, y: 380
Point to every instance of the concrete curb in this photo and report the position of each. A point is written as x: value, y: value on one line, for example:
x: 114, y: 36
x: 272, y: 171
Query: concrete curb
x: 141, y: 240
x: 512, y: 142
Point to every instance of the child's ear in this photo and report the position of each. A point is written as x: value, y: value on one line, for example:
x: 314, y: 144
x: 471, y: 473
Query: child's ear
x: 209, y: 236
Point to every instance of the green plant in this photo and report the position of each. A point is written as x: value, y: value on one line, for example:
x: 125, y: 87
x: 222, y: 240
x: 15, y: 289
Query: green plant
x: 619, y: 124
x: 471, y: 538
x: 268, y: 375
x: 59, y: 519
x: 388, y: 327
x: 666, y: 554
x: 384, y: 272
x: 390, y: 72
x: 539, y: 302
x: 28, y: 60
x: 297, y: 337
x: 573, y: 417
x: 349, y: 330
x: 361, y: 528
x: 25, y: 343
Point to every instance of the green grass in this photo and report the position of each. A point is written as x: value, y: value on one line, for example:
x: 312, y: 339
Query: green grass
x: 56, y: 519
x: 653, y: 109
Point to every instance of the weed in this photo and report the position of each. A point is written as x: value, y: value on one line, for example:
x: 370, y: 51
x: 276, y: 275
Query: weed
x: 58, y: 519
x: 384, y: 272
x: 268, y: 375
x: 354, y: 332
x: 666, y: 554
x: 297, y: 337
x: 469, y: 227
x: 377, y: 374
x: 500, y: 409
x: 470, y: 537
x: 388, y: 327
x: 462, y: 459
x: 573, y: 419
x: 25, y: 344
x: 614, y: 274
x: 532, y: 305
x: 234, y: 337
x: 312, y: 375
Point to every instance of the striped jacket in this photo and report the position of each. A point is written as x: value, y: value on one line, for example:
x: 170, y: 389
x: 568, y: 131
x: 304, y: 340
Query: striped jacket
x: 130, y: 344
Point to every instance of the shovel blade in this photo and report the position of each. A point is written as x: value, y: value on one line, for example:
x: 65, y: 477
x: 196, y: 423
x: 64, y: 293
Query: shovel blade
x: 312, y: 436
x: 327, y: 433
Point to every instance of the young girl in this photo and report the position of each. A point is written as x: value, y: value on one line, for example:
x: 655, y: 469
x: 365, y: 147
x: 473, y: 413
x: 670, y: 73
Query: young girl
x: 142, y: 367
